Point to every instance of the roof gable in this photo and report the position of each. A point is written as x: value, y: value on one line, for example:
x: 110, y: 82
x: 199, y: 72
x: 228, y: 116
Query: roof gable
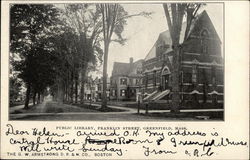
x: 203, y: 22
x: 120, y: 68
x: 126, y: 69
x: 164, y: 38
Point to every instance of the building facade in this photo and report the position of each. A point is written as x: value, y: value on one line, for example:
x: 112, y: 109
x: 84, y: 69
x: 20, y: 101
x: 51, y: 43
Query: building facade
x: 99, y: 89
x: 90, y: 89
x: 126, y: 80
x: 201, y: 76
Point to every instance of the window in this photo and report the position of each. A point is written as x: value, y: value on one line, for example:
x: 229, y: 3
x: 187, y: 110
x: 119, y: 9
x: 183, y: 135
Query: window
x: 154, y: 77
x: 146, y: 80
x: 151, y: 78
x: 123, y: 81
x: 158, y: 77
x: 114, y: 93
x: 170, y: 80
x: 139, y: 70
x: 99, y: 87
x: 219, y: 77
x: 213, y: 75
x: 122, y: 92
x: 205, y: 47
x: 187, y: 75
x: 137, y: 81
x: 132, y: 92
x: 194, y: 74
x: 204, y: 33
x: 131, y: 81
x: 204, y: 40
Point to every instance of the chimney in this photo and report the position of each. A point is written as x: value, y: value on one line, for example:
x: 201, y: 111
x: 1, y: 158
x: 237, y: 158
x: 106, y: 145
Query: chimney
x: 131, y: 60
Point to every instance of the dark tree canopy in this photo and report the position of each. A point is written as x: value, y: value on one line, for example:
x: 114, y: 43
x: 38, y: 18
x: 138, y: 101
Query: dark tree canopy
x: 30, y: 27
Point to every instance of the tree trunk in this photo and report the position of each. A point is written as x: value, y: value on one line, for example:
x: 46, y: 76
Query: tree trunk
x: 27, y: 98
x: 34, y: 98
x: 60, y: 91
x: 72, y: 87
x: 66, y: 91
x: 83, y: 51
x: 90, y: 103
x: 82, y: 86
x: 38, y: 98
x: 67, y: 87
x: 175, y: 83
x: 104, y: 97
x: 204, y: 88
x: 204, y: 93
x: 41, y: 98
x: 76, y: 88
x: 82, y: 93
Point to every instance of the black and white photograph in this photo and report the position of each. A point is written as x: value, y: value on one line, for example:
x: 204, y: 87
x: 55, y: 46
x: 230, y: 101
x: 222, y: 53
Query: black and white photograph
x: 116, y: 61
x: 124, y: 80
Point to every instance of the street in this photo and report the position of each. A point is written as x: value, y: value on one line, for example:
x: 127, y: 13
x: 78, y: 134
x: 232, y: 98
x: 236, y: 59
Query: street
x: 51, y: 110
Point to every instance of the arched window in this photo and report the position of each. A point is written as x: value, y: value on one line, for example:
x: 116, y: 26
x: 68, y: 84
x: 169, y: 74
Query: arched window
x: 146, y: 80
x: 165, y: 71
x: 213, y: 75
x: 204, y: 40
x: 154, y: 81
x: 194, y: 74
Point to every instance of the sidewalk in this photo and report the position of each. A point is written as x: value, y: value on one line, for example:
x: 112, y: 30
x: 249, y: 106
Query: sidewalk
x: 15, y: 108
x: 134, y: 110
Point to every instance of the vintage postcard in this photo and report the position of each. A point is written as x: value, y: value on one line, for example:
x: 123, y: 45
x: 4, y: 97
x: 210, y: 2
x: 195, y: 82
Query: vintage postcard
x: 124, y: 80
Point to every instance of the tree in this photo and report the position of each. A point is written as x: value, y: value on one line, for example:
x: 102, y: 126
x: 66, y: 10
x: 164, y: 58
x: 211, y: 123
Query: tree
x: 15, y: 89
x: 85, y: 20
x: 174, y: 13
x: 29, y: 24
x: 114, y: 18
x: 66, y: 64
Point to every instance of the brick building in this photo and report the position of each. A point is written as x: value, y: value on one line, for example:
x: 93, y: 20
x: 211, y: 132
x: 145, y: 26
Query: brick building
x: 125, y: 81
x: 201, y: 66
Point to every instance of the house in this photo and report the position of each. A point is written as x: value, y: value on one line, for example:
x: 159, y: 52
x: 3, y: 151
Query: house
x: 201, y: 67
x: 125, y: 82
x: 99, y: 89
x: 90, y: 89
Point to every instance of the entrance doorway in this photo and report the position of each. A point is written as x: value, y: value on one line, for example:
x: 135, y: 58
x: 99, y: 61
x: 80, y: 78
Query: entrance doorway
x: 165, y: 78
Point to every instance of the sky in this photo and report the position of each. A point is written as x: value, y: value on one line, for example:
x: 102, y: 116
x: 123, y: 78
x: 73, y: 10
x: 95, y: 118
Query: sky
x: 141, y: 33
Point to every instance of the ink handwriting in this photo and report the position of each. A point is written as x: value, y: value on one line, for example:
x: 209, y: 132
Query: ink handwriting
x: 121, y: 142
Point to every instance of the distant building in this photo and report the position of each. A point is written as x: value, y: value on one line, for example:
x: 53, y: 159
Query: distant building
x: 90, y: 89
x: 99, y: 89
x: 125, y: 81
x: 201, y: 66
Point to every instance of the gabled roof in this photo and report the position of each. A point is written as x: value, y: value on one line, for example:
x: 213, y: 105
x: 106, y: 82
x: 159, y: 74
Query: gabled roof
x: 197, y: 24
x: 134, y: 67
x: 164, y: 37
x: 125, y: 69
x: 120, y: 68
